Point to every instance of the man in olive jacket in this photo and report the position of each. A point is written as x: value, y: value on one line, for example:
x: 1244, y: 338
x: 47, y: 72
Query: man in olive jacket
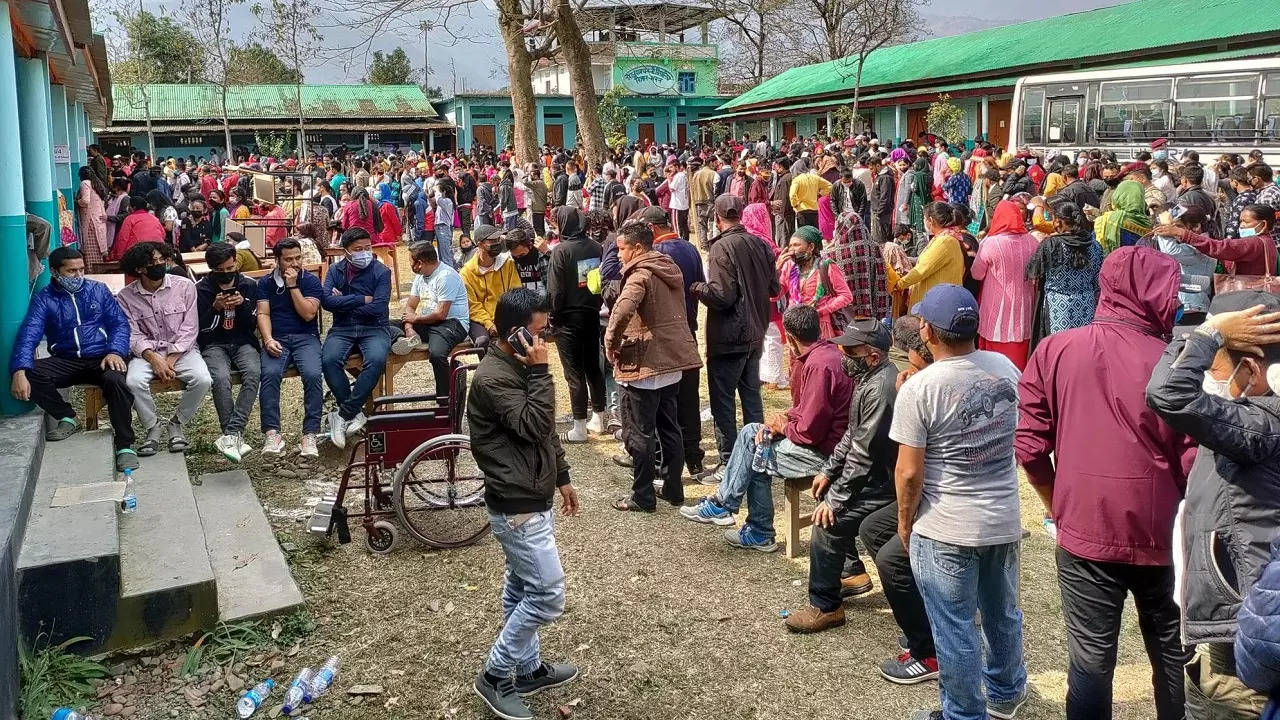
x: 513, y: 439
x: 649, y: 344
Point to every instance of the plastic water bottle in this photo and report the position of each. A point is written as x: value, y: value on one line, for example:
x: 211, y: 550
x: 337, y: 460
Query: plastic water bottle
x: 129, y: 502
x: 252, y: 700
x: 763, y: 457
x: 299, y: 691
x: 324, y: 678
x: 1050, y: 527
x: 69, y: 714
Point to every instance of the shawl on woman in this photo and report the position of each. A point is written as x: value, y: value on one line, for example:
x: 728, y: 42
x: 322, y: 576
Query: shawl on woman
x: 756, y: 220
x: 826, y: 218
x: 860, y: 261
x: 941, y: 171
x: 1126, y: 221
x: 902, y: 199
x: 1053, y: 183
x: 1008, y: 219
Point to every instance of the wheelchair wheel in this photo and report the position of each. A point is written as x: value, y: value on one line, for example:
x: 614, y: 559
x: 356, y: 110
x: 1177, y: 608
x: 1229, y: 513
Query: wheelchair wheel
x: 439, y: 493
x: 381, y: 538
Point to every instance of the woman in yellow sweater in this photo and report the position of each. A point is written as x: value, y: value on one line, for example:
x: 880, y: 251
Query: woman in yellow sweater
x: 942, y: 260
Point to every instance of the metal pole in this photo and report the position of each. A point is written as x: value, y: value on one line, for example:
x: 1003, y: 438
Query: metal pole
x: 426, y: 68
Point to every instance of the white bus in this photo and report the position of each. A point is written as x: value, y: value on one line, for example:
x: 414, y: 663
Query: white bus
x: 1212, y: 107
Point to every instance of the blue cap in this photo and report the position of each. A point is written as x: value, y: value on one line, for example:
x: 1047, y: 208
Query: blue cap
x: 950, y: 308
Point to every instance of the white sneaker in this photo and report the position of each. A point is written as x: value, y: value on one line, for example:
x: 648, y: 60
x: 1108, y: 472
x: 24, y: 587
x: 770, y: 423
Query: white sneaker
x: 406, y: 344
x: 307, y: 448
x: 356, y: 424
x: 273, y: 444
x: 245, y: 448
x: 337, y: 430
x: 597, y: 423
x: 229, y: 446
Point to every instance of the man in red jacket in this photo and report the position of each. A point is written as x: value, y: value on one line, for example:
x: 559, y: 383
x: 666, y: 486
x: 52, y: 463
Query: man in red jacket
x: 794, y: 444
x: 1111, y: 474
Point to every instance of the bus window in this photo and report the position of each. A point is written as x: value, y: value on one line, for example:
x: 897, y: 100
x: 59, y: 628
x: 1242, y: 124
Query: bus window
x: 1270, y: 124
x: 1033, y: 114
x: 1064, y: 120
x: 1216, y: 109
x: 1134, y: 110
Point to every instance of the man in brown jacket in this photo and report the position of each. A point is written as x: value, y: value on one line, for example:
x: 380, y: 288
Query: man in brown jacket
x: 649, y: 345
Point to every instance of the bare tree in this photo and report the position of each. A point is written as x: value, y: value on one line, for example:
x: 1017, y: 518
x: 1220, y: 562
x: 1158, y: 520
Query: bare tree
x: 129, y: 70
x: 751, y: 27
x: 210, y: 22
x: 294, y: 39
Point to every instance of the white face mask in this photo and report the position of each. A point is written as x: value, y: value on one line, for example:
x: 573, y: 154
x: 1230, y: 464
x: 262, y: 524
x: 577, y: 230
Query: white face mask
x: 1213, y: 386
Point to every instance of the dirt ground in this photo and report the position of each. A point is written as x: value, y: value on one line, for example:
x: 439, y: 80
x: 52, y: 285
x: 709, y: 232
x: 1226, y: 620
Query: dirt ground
x: 665, y: 620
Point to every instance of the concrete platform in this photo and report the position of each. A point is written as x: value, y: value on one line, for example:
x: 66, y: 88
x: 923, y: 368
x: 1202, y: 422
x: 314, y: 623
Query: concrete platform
x: 166, y: 584
x: 252, y: 573
x: 69, y: 568
x: 21, y: 448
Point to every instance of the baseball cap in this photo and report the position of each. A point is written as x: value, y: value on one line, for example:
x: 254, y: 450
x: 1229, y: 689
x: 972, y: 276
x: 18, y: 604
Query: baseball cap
x: 485, y: 232
x: 866, y: 331
x: 1243, y: 300
x: 729, y: 207
x: 949, y: 307
x: 653, y: 215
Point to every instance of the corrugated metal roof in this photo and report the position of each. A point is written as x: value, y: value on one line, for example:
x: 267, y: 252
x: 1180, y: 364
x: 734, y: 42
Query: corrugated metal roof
x: 248, y: 102
x: 1134, y: 27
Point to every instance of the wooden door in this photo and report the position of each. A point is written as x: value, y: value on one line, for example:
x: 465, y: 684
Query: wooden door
x: 483, y: 134
x: 916, y: 123
x: 553, y: 135
x: 682, y: 134
x: 998, y: 114
x: 788, y: 131
x: 646, y: 131
x: 820, y: 124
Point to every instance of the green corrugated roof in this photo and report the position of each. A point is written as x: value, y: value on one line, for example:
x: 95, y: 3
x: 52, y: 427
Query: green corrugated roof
x: 252, y: 102
x: 1138, y: 26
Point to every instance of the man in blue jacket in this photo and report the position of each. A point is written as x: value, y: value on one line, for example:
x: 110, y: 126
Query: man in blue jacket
x: 88, y: 340
x: 357, y: 290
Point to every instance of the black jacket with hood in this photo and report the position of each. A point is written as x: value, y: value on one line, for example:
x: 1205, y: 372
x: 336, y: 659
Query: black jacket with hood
x: 740, y: 284
x: 572, y: 260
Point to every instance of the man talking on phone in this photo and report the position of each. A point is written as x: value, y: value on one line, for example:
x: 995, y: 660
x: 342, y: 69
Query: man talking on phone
x: 511, y: 412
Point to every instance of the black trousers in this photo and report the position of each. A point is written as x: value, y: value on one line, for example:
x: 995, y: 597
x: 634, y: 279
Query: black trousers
x: 832, y: 550
x: 726, y: 375
x: 539, y: 224
x: 464, y: 219
x: 652, y: 425
x: 807, y: 217
x: 879, y: 534
x: 578, y: 343
x: 51, y: 373
x: 1093, y: 596
x: 681, y: 220
x: 441, y: 338
x: 689, y: 409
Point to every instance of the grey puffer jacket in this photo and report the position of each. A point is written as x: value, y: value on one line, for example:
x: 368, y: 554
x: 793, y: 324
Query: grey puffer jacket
x: 861, y: 466
x: 1233, y: 490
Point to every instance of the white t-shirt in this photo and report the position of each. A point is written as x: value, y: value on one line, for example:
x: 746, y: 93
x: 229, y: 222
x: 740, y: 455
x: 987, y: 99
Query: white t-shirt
x: 963, y: 411
x: 442, y: 284
x: 680, y: 191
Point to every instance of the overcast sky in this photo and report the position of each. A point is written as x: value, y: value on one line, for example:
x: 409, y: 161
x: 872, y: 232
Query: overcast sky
x: 479, y: 63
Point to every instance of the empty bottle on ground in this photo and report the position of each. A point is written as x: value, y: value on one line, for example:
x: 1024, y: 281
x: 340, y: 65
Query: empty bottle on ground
x: 253, y: 699
x: 129, y: 502
x: 69, y: 714
x: 324, y: 677
x: 298, y: 691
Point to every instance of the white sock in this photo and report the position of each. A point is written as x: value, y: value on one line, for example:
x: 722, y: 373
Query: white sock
x: 579, y: 427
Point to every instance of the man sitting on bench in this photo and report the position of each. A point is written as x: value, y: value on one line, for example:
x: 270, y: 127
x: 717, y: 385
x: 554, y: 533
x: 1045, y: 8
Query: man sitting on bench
x: 795, y: 444
x: 487, y: 275
x: 288, y: 305
x: 228, y: 306
x: 88, y: 340
x: 357, y: 290
x: 437, y: 315
x: 163, y: 321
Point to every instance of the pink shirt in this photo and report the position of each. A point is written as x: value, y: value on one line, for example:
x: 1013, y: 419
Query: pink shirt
x: 165, y: 321
x: 1007, y: 299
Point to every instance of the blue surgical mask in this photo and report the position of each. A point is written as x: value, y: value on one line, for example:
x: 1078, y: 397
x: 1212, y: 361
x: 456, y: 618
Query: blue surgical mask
x: 1160, y: 155
x: 1248, y: 231
x: 362, y: 258
x: 71, y: 283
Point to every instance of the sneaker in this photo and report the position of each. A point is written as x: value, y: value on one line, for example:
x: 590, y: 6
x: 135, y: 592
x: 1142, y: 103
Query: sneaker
x: 812, y: 620
x: 925, y: 715
x: 229, y: 446
x: 406, y: 344
x: 337, y: 430
x: 855, y: 585
x: 903, y: 644
x: 596, y: 424
x: 906, y: 670
x: 65, y: 428
x: 356, y: 424
x: 501, y: 697
x: 307, y: 448
x: 1008, y: 709
x: 273, y: 443
x: 548, y: 675
x: 245, y: 448
x: 707, y: 511
x: 126, y: 459
x: 623, y: 461
x: 749, y: 539
x: 711, y: 477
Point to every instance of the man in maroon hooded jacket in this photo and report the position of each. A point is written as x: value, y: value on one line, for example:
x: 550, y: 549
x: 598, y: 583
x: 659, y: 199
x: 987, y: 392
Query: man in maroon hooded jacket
x: 1111, y: 474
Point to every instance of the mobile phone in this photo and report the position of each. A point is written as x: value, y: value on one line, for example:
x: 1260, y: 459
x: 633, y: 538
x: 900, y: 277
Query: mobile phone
x: 229, y: 291
x: 1177, y: 211
x: 521, y: 339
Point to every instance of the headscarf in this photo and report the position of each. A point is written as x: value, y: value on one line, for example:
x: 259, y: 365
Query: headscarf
x: 756, y: 220
x: 826, y: 218
x: 384, y: 192
x: 571, y: 221
x: 897, y: 154
x: 826, y: 164
x: 1127, y: 220
x: 791, y: 280
x: 809, y: 234
x: 1008, y: 219
x: 954, y: 164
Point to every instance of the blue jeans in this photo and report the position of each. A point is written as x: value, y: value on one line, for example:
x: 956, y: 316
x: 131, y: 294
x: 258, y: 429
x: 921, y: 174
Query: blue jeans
x: 533, y: 593
x: 793, y: 461
x: 444, y: 244
x: 956, y: 582
x: 302, y: 351
x: 374, y: 343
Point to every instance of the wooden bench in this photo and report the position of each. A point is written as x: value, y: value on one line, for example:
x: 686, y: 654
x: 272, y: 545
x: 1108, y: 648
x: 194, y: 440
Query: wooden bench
x: 792, y: 489
x: 94, y: 402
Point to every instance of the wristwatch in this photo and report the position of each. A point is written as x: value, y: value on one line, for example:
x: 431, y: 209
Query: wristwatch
x: 1212, y: 333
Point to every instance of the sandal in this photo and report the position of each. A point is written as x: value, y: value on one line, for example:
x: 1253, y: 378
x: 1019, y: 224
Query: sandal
x: 177, y: 444
x: 150, y: 447
x: 629, y: 504
x: 564, y: 439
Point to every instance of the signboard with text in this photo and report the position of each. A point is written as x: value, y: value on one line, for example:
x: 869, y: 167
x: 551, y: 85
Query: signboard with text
x: 649, y: 80
x: 61, y: 154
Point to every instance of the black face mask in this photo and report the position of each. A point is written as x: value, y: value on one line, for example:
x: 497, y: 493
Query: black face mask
x: 222, y: 278
x: 854, y: 366
x: 1111, y: 182
x: 155, y: 272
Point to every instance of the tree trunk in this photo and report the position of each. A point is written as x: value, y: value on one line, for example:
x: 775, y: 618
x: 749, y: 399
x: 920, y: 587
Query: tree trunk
x: 520, y: 73
x: 857, y: 92
x: 226, y: 122
x: 302, y: 130
x: 759, y: 78
x: 151, y: 136
x: 577, y: 55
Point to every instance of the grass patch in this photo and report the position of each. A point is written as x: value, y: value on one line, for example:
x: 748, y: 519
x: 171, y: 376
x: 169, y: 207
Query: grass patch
x: 52, y: 677
x: 230, y: 643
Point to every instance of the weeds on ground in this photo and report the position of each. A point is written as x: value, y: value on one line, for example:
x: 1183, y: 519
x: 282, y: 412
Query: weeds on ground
x: 51, y: 677
x: 232, y: 642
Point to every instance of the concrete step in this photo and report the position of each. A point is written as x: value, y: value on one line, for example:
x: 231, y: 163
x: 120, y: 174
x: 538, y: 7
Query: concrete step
x: 252, y: 573
x: 167, y: 587
x: 21, y: 447
x: 68, y: 571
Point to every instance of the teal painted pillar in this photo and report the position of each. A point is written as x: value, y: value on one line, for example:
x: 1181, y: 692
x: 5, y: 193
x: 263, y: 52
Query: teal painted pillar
x: 75, y: 143
x: 13, y: 216
x: 540, y: 121
x: 37, y: 150
x: 61, y: 141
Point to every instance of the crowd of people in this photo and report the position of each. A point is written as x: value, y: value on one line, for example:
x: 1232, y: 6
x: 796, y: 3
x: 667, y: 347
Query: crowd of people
x: 940, y: 316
